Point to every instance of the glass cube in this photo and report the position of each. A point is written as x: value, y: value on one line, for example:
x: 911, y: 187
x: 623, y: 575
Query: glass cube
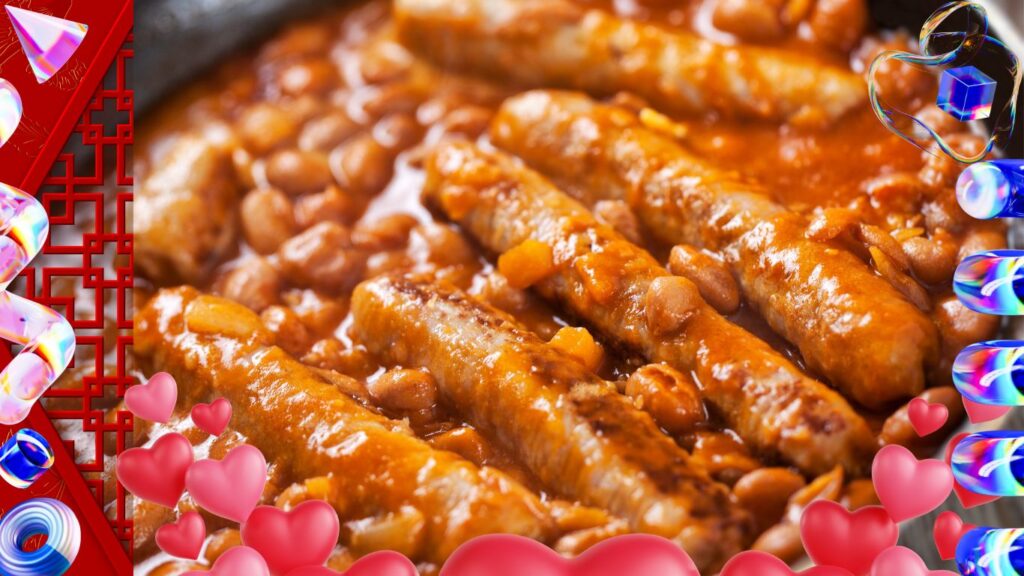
x: 966, y: 93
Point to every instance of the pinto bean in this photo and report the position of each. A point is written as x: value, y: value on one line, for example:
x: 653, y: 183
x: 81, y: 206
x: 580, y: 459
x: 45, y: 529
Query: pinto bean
x: 671, y: 397
x: 858, y: 494
x: 765, y: 492
x: 322, y: 257
x: 331, y: 205
x: 362, y: 165
x: 289, y: 332
x: 264, y: 127
x: 724, y: 457
x: 267, y: 219
x: 254, y: 284
x: 669, y: 302
x: 312, y: 76
x: 838, y: 24
x: 898, y: 429
x: 397, y: 131
x: 388, y: 233
x: 298, y: 171
x: 403, y: 390
x: 932, y: 259
x: 327, y: 131
x: 750, y: 20
x: 713, y: 279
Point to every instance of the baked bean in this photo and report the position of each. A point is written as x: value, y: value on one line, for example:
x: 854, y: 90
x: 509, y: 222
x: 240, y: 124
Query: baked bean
x: 765, y: 492
x: 331, y: 205
x: 527, y: 264
x: 176, y: 567
x: 397, y: 131
x: 932, y: 259
x: 750, y: 20
x: 362, y: 165
x: 900, y: 192
x: 402, y: 97
x: 858, y: 494
x: 220, y: 542
x: 713, y: 279
x: 322, y: 257
x: 959, y: 326
x: 467, y: 121
x: 578, y: 343
x: 830, y: 223
x: 384, y: 62
x: 312, y: 76
x: 875, y: 237
x: 942, y: 171
x: 724, y: 457
x: 355, y: 362
x: 618, y: 215
x: 387, y: 233
x: 669, y: 303
x: 982, y: 240
x: 298, y: 171
x: 346, y: 385
x: 304, y: 39
x: 267, y: 219
x: 838, y: 24
x: 782, y: 541
x: 289, y: 332
x: 402, y: 390
x: 669, y: 396
x: 828, y: 486
x: 320, y: 313
x: 341, y: 559
x: 441, y: 245
x: 254, y: 283
x: 898, y: 82
x: 210, y: 315
x: 327, y: 131
x: 264, y: 126
x: 400, y: 531
x: 465, y: 442
x: 381, y: 263
x: 898, y: 430
x: 938, y: 120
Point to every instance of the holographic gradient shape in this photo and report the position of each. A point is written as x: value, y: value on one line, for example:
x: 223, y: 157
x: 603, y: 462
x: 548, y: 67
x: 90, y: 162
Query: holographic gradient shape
x: 988, y: 551
x: 24, y: 458
x: 968, y: 44
x: 991, y: 372
x: 34, y: 517
x: 991, y: 282
x: 10, y: 110
x: 47, y: 338
x: 993, y: 189
x: 966, y: 93
x: 990, y: 463
x: 48, y: 42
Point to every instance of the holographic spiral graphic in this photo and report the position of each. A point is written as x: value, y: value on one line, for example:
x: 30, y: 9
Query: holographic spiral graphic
x: 991, y: 552
x: 35, y: 517
x: 991, y: 372
x: 47, y: 338
x: 990, y: 463
x: 968, y: 44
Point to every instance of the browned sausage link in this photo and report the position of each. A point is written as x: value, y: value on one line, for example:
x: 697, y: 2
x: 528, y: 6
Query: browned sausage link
x: 218, y: 347
x: 556, y: 43
x: 573, y: 430
x: 622, y: 291
x: 849, y: 324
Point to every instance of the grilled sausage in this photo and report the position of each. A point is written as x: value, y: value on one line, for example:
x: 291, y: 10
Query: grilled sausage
x: 556, y: 43
x: 622, y: 291
x: 849, y: 324
x: 574, y: 431
x: 213, y: 346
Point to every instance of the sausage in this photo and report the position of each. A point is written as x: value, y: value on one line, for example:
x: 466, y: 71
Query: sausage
x: 849, y: 324
x: 573, y: 430
x: 216, y: 347
x: 624, y: 293
x: 569, y: 46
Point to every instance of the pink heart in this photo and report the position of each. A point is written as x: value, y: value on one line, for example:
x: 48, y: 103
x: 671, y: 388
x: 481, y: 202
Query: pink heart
x: 926, y: 417
x: 900, y: 561
x: 509, y: 555
x: 764, y: 564
x: 383, y: 563
x: 212, y: 418
x: 977, y: 412
x: 183, y: 538
x: 230, y: 488
x: 303, y: 536
x: 154, y: 400
x: 834, y: 536
x: 909, y: 487
x: 157, y: 473
x: 967, y: 498
x: 949, y: 528
x: 237, y: 561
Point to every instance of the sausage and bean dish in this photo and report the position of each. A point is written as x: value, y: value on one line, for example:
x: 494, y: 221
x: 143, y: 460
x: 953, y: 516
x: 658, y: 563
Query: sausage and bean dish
x: 566, y: 269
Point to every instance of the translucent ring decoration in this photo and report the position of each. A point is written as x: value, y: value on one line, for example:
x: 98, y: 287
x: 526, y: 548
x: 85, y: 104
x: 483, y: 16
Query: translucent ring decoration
x: 990, y: 463
x: 35, y: 517
x: 969, y: 43
x: 991, y: 552
x: 47, y: 338
x: 991, y: 282
x: 24, y: 458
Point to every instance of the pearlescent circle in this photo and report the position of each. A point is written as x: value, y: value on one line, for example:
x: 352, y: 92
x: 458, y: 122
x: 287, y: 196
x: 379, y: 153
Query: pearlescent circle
x: 34, y: 517
x: 10, y: 110
x: 983, y: 191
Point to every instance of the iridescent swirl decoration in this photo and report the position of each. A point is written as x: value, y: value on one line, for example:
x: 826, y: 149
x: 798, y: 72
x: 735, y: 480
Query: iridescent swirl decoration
x: 949, y: 50
x: 991, y: 372
x: 991, y: 282
x: 991, y: 552
x: 990, y: 463
x: 32, y: 518
x: 47, y: 339
x: 24, y: 458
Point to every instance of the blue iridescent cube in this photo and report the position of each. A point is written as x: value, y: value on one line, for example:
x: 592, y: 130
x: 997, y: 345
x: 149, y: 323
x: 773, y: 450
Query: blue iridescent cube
x: 966, y: 93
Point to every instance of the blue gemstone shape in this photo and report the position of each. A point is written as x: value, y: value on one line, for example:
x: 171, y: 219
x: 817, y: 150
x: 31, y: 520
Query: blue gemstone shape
x: 992, y: 189
x: 966, y: 93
